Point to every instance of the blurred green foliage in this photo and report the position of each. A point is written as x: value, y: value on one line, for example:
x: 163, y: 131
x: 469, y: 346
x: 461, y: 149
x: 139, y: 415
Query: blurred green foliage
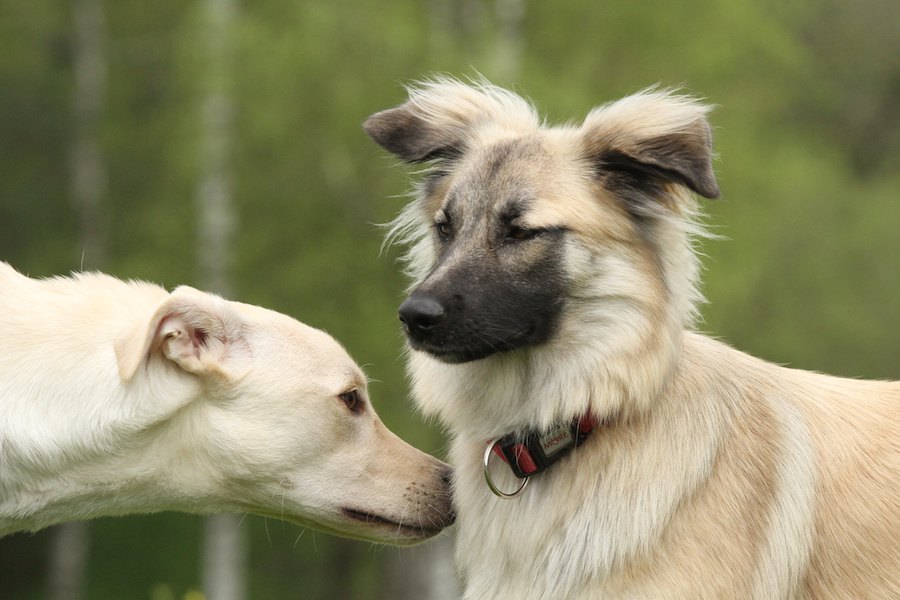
x: 807, y: 129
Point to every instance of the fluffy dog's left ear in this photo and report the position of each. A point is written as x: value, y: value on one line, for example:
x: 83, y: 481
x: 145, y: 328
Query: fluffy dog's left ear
x: 652, y: 137
x: 198, y: 332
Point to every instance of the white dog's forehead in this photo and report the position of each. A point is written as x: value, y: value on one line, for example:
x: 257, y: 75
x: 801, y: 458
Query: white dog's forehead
x: 316, y: 350
x: 301, y: 352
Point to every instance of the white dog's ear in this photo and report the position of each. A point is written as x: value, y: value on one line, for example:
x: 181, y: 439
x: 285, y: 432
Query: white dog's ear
x: 441, y: 117
x: 650, y: 138
x: 198, y: 332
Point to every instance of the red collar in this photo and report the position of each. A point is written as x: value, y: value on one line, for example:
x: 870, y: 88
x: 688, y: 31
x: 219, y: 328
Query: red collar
x: 532, y: 451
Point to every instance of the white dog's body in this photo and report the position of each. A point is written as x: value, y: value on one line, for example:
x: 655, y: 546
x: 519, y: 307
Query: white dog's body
x: 119, y: 397
x: 554, y: 279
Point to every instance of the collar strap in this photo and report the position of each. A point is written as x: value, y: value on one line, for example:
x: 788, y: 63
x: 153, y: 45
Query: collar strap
x: 533, y: 451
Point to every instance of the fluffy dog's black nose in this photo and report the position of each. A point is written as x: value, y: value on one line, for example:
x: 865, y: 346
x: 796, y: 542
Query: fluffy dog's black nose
x: 420, y: 313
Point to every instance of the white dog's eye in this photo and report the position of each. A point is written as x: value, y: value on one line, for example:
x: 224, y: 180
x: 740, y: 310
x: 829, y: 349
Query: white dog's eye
x: 352, y: 401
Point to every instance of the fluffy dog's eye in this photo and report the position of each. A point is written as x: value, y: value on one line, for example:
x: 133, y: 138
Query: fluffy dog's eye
x: 442, y: 224
x: 352, y: 401
x: 520, y: 234
x: 443, y: 227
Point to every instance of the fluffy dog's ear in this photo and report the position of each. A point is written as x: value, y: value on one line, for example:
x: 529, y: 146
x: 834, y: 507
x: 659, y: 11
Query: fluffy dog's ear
x: 198, y: 332
x: 652, y: 137
x: 406, y: 134
x: 442, y: 116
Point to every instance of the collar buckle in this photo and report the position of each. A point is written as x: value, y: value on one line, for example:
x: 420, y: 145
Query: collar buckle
x: 534, y: 451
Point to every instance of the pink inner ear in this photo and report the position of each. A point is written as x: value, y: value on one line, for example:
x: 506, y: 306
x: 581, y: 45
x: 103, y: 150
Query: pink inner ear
x: 173, y: 326
x: 180, y: 342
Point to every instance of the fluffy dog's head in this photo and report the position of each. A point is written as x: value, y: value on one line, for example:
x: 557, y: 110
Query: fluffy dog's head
x: 568, y: 247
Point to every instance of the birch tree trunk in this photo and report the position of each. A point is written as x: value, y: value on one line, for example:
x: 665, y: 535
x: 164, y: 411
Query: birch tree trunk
x: 507, y: 55
x: 215, y: 205
x: 69, y: 553
x: 426, y: 571
x: 88, y: 169
x: 224, y: 545
x: 70, y: 546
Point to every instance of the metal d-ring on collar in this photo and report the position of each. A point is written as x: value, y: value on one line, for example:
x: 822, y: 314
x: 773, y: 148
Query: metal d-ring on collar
x: 533, y: 451
x: 490, y: 482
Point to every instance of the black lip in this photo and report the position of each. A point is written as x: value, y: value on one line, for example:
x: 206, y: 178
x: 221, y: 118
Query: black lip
x: 463, y: 355
x: 373, y: 519
x: 456, y: 356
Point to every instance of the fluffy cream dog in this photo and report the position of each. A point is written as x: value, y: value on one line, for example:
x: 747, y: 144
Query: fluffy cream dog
x: 550, y: 319
x: 121, y: 398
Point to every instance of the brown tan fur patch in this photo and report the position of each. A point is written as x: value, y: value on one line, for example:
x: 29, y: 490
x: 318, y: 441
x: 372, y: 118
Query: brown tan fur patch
x: 553, y: 276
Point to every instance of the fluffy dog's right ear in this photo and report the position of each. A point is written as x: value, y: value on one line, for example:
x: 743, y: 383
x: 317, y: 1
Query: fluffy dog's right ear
x: 653, y: 136
x: 443, y: 116
x: 194, y: 330
x: 406, y: 134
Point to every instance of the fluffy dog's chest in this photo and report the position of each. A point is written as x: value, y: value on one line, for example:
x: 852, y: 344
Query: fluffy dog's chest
x: 582, y: 527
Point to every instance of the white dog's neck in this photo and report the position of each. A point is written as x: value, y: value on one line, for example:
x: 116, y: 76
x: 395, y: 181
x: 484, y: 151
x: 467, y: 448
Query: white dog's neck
x: 63, y: 452
x: 113, y: 465
x: 34, y: 498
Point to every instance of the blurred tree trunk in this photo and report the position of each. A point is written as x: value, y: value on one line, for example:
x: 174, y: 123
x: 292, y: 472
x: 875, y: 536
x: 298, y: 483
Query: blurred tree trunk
x: 69, y: 551
x: 88, y: 169
x: 424, y: 571
x: 214, y: 194
x: 224, y: 560
x: 224, y: 544
x: 507, y: 54
x: 70, y: 545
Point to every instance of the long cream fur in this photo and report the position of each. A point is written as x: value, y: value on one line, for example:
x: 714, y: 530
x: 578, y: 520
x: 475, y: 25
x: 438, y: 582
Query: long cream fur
x: 719, y: 475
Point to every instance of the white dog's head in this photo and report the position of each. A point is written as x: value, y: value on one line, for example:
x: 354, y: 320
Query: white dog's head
x: 278, y: 423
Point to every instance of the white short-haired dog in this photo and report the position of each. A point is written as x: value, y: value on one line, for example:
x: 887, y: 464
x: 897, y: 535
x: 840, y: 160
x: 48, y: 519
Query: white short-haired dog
x: 119, y: 397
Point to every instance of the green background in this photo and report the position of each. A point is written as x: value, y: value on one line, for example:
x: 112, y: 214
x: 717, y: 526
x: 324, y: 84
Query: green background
x: 807, y: 129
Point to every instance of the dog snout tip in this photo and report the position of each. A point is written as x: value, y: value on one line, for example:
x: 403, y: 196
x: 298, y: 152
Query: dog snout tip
x: 446, y: 475
x: 420, y: 313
